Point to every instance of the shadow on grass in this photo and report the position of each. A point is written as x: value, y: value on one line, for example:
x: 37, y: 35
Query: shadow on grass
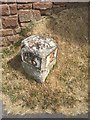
x: 16, y: 64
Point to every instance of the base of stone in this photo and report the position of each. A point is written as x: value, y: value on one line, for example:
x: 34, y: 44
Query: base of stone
x: 39, y: 75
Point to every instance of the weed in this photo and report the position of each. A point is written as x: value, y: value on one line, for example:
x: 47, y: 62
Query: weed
x: 18, y: 43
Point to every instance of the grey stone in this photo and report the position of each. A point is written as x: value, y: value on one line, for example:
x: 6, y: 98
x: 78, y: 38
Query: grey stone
x: 38, y: 56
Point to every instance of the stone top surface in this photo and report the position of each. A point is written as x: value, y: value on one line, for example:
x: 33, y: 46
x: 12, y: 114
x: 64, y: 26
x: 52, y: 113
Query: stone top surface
x: 38, y: 45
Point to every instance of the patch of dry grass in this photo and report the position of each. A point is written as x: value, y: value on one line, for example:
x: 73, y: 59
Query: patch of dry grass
x: 66, y: 88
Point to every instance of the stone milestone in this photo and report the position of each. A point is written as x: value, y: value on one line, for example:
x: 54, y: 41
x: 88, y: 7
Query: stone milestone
x: 38, y: 56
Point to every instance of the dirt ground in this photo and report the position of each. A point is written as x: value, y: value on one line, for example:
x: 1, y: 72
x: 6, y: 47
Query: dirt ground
x: 66, y: 88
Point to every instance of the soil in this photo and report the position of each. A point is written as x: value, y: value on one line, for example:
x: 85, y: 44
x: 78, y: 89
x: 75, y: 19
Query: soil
x: 66, y: 88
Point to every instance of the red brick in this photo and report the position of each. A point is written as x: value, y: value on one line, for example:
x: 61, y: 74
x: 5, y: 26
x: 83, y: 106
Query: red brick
x: 6, y: 32
x: 24, y: 6
x: 4, y: 9
x: 25, y: 15
x: 42, y: 5
x: 36, y: 14
x: 24, y: 1
x: 10, y: 22
x: 13, y: 9
x: 8, y: 1
x: 0, y: 23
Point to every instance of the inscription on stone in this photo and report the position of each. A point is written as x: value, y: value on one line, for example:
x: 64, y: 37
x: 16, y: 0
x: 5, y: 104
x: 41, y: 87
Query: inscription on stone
x: 38, y: 56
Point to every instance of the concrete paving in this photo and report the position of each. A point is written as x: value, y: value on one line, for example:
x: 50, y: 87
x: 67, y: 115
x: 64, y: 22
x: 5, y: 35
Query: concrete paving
x: 38, y: 115
x: 0, y: 109
x: 44, y: 115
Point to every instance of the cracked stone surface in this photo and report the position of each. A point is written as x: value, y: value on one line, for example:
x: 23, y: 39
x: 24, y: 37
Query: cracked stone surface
x: 38, y: 56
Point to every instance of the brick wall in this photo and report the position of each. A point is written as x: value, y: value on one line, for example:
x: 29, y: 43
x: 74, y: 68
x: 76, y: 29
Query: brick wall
x: 16, y: 15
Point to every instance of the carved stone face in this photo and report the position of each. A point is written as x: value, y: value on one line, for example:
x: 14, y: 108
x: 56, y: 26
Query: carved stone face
x: 51, y: 57
x: 32, y: 59
x: 38, y: 55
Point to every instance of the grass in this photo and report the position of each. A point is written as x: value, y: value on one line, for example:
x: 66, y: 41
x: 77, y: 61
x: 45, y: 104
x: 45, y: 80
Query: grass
x: 6, y: 52
x: 24, y: 31
x: 66, y: 87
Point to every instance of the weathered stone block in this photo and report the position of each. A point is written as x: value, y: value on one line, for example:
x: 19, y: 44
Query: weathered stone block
x: 36, y: 14
x: 24, y: 6
x: 24, y: 1
x: 4, y: 9
x: 28, y: 15
x: 42, y: 5
x: 13, y: 9
x: 11, y: 1
x: 38, y: 56
x: 6, y: 32
x: 25, y: 15
x: 3, y: 1
x: 0, y: 23
x: 10, y: 22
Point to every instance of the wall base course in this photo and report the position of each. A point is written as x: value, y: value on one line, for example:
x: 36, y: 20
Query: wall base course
x: 44, y: 5
x: 13, y: 9
x: 18, y: 14
x: 25, y: 15
x: 0, y: 23
x: 24, y: 6
x: 10, y: 22
x: 28, y: 15
x: 6, y: 32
